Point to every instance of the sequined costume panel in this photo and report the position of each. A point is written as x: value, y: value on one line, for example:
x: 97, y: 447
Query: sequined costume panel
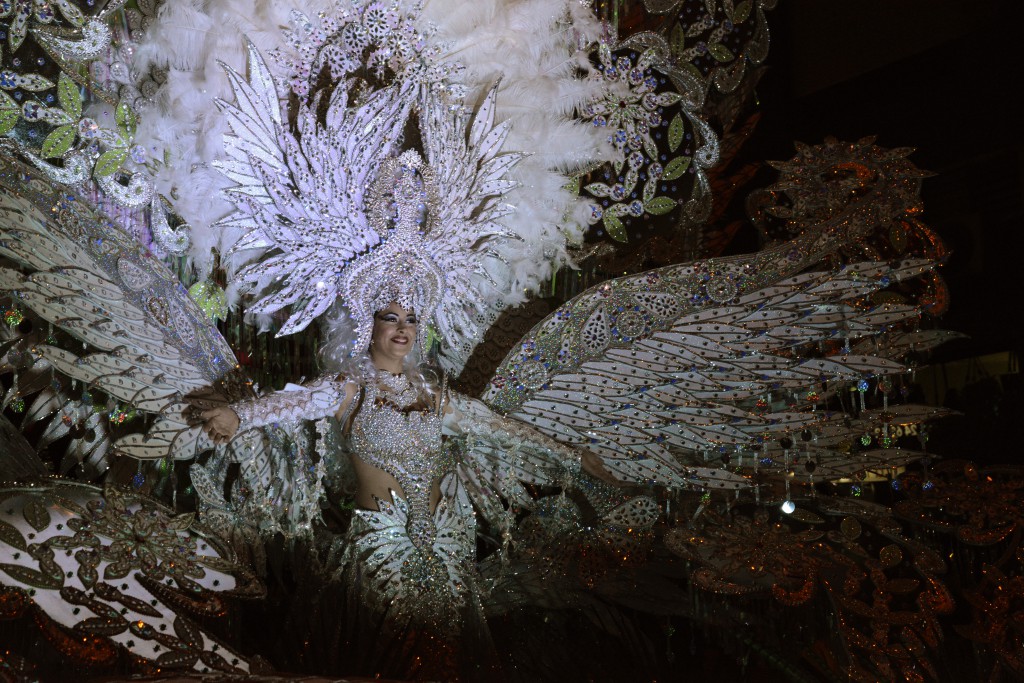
x: 407, y: 445
x: 411, y: 563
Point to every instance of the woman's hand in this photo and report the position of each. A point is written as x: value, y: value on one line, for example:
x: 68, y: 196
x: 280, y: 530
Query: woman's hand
x: 219, y: 423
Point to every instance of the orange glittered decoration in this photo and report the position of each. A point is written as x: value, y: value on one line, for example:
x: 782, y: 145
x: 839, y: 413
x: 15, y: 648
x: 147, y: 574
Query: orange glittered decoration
x: 88, y: 650
x: 13, y: 602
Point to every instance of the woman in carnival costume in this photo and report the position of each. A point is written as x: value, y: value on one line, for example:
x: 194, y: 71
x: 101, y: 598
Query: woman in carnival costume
x: 397, y: 171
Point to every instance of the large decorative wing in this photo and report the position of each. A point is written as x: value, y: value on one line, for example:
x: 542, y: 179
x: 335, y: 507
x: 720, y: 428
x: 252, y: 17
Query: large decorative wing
x: 145, y: 344
x: 676, y: 375
x: 150, y: 345
x: 648, y: 381
x: 49, y: 409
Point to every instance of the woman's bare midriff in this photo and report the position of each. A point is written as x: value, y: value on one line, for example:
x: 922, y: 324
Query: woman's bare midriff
x: 375, y: 482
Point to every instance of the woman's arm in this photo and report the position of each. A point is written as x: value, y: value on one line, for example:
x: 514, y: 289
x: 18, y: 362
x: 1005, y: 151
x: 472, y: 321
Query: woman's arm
x: 324, y: 396
x: 471, y: 416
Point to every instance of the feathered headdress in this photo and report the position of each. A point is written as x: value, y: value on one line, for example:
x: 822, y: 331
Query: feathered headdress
x: 333, y: 212
x: 315, y: 134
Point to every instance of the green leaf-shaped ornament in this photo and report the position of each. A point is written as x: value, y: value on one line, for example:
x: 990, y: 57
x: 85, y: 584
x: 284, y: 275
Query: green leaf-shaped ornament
x: 659, y: 206
x: 650, y: 148
x: 8, y: 109
x: 676, y: 131
x: 616, y: 230
x: 109, y: 162
x: 741, y: 12
x: 8, y: 120
x: 10, y: 535
x: 677, y: 41
x: 36, y: 514
x: 125, y: 119
x: 31, y: 577
x: 676, y: 168
x: 101, y: 626
x: 721, y: 52
x: 650, y: 188
x: 58, y: 141
x: 69, y: 97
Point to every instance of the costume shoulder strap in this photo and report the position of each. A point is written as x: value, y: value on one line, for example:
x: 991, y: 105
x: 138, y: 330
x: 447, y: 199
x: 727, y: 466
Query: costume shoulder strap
x: 353, y: 408
x: 444, y: 399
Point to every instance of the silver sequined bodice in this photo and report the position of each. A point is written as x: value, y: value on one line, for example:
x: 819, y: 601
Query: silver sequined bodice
x: 407, y: 445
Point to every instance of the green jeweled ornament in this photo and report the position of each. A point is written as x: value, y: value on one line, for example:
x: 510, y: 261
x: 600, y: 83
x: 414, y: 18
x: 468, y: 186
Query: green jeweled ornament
x: 13, y: 317
x: 211, y: 298
x: 120, y: 415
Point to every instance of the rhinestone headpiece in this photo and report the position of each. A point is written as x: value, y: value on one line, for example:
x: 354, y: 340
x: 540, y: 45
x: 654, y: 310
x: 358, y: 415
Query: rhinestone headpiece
x: 401, y: 269
x: 332, y: 212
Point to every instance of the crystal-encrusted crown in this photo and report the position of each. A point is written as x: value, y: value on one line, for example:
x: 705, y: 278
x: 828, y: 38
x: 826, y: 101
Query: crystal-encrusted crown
x: 401, y: 270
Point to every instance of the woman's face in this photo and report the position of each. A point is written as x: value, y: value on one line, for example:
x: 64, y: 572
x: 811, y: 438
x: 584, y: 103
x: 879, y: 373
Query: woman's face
x: 394, y: 333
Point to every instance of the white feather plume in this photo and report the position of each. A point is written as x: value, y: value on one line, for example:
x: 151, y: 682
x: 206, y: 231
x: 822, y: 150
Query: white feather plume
x: 189, y: 40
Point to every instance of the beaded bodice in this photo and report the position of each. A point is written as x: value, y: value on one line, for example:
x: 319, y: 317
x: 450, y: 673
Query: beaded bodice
x: 407, y: 445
